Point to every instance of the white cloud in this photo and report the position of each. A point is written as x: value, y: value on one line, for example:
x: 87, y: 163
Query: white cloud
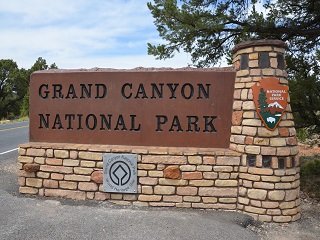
x: 80, y: 34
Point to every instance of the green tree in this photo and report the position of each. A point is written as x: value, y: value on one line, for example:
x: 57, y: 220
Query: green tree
x: 8, y: 94
x: 262, y: 100
x: 209, y: 29
x: 40, y: 64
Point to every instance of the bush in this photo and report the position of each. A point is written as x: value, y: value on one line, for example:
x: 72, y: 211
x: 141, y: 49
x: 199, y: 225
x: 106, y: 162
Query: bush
x: 310, y: 176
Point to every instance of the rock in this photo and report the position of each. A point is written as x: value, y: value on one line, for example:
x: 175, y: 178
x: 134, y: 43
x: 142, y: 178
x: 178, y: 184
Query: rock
x: 31, y: 167
x: 97, y: 176
x: 172, y: 172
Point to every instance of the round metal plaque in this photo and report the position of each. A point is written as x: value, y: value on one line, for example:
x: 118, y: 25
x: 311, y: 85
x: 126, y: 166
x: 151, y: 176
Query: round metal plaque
x: 120, y: 173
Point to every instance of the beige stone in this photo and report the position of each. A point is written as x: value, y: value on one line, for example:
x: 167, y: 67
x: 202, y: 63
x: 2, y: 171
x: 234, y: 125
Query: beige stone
x: 244, y: 201
x: 252, y: 149
x: 236, y: 129
x: 173, y: 182
x: 174, y: 198
x: 164, y: 159
x: 164, y: 190
x: 292, y: 211
x: 209, y: 160
x: 88, y: 164
x: 116, y: 196
x: 228, y: 160
x: 281, y: 219
x: 283, y: 186
x: 61, y: 153
x: 75, y: 195
x: 90, y: 156
x: 217, y: 192
x: 187, y: 168
x: 264, y: 132
x: 147, y: 190
x: 210, y: 175
x: 237, y: 105
x: 255, y: 203
x: 260, y: 171
x: 148, y: 181
x: 201, y: 183
x: 34, y: 182
x: 57, y: 169
x: 88, y: 186
x: 24, y: 159
x: 142, y: 173
x: 291, y: 195
x: 83, y: 171
x: 261, y: 141
x: 276, y: 195
x: 268, y: 72
x: 189, y: 191
x: 263, y: 185
x: 249, y: 176
x: 222, y: 168
x: 149, y: 198
x: 191, y: 198
x: 73, y: 154
x: 268, y: 151
x: 48, y: 183
x: 43, y: 175
x: 71, y: 162
x: 155, y: 173
x: 223, y: 175
x: 287, y: 205
x: 39, y: 160
x: 253, y: 63
x: 283, y: 151
x: 242, y: 73
x: 28, y: 190
x: 35, y: 152
x: 78, y: 178
x: 278, y: 142
x: 249, y: 131
x: 258, y: 194
x: 209, y: 199
x: 249, y: 105
x: 54, y: 161
x: 254, y: 210
x: 194, y: 160
x: 226, y: 183
x: 204, y: 168
x: 146, y: 166
x: 68, y: 185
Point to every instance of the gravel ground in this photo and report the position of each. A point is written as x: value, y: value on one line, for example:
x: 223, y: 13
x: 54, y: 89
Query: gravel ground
x: 307, y: 228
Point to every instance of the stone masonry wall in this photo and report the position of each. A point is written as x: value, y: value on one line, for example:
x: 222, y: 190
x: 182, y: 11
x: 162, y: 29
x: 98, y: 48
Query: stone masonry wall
x: 258, y: 175
x: 269, y: 177
x: 170, y: 177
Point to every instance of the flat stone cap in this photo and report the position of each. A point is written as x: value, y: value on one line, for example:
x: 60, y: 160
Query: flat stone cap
x: 263, y: 42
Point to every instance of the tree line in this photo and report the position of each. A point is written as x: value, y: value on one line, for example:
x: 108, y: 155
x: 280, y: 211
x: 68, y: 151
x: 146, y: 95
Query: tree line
x: 209, y: 29
x: 14, y: 87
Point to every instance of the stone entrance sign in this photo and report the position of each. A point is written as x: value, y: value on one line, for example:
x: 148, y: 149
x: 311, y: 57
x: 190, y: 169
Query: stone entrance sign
x: 147, y: 108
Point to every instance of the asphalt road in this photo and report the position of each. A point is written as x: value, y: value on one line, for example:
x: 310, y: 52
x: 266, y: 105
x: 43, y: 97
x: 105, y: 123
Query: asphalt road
x: 13, y: 134
x: 25, y: 217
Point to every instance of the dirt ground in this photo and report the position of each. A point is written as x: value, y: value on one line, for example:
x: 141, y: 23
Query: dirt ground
x: 308, y: 227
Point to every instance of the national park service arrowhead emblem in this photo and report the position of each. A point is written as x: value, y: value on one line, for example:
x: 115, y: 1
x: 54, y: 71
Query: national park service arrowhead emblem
x: 270, y: 99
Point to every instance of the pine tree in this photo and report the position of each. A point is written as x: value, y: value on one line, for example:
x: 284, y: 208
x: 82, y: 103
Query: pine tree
x: 263, y: 105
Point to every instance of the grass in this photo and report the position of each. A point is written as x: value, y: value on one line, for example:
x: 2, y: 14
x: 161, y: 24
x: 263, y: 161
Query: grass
x: 310, y: 176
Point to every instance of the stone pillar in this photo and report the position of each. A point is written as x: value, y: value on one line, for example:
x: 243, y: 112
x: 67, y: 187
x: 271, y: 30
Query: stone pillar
x: 269, y: 177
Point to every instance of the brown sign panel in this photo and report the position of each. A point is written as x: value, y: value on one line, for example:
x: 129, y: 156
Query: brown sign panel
x: 178, y: 108
x: 270, y: 99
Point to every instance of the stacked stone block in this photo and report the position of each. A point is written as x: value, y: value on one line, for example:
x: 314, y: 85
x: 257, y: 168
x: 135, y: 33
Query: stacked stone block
x: 269, y: 171
x: 167, y: 177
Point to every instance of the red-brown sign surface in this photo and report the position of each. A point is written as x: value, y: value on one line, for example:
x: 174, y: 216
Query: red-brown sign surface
x: 270, y: 98
x: 179, y: 108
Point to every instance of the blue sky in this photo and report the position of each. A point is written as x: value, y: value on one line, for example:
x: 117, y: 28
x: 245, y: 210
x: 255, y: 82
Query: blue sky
x: 80, y: 33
